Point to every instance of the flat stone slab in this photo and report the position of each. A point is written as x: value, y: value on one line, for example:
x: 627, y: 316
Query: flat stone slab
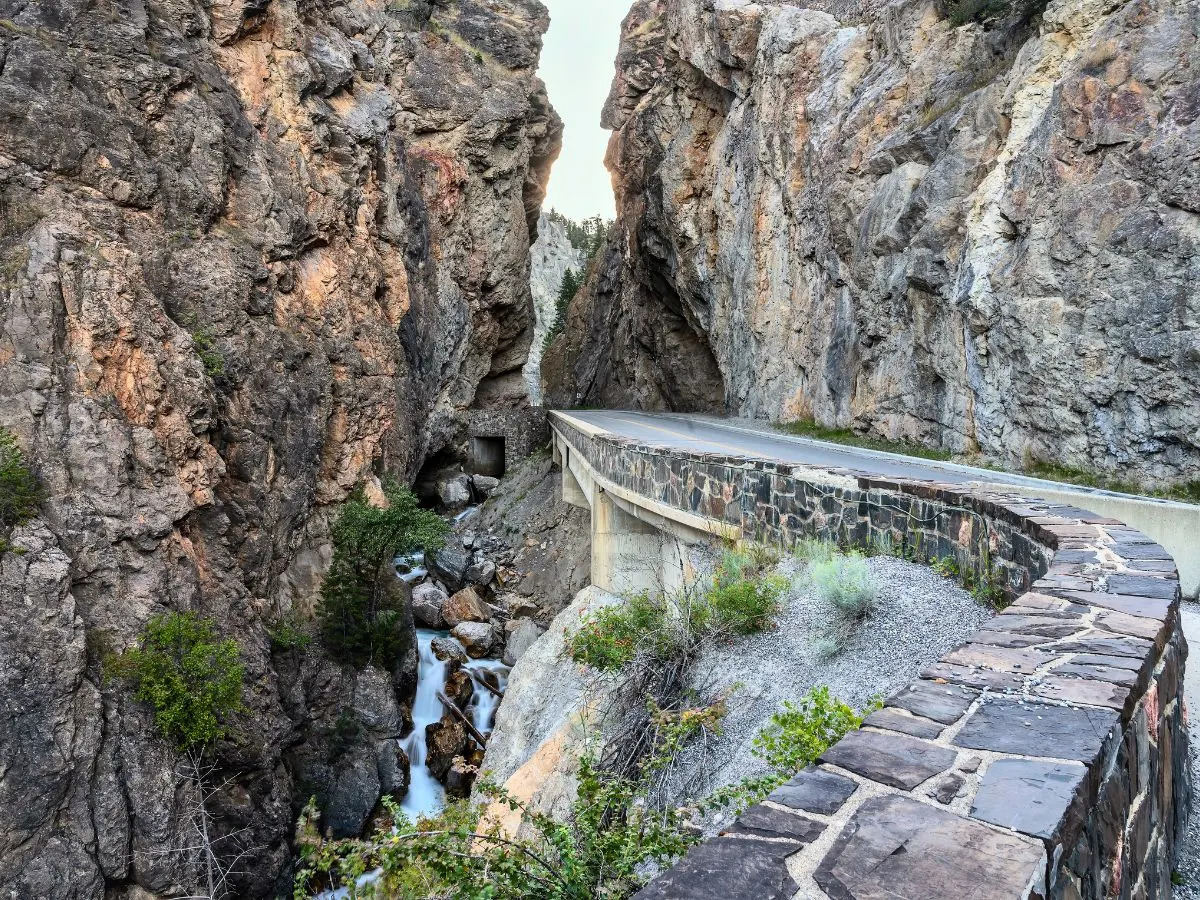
x: 766, y: 821
x: 725, y: 868
x: 894, y: 720
x: 1021, y: 661
x: 815, y: 790
x: 1081, y: 690
x: 1131, y: 604
x: 1027, y: 795
x: 943, y: 703
x: 1133, y: 648
x: 1035, y: 729
x: 899, y: 849
x: 1010, y: 639
x: 892, y: 759
x: 975, y: 677
x: 1144, y: 586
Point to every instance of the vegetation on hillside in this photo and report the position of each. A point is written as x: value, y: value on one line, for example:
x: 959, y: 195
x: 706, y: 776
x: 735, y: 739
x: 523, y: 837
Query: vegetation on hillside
x: 588, y: 235
x: 360, y: 613
x: 20, y: 491
x: 620, y: 827
x: 571, y: 283
x: 189, y: 676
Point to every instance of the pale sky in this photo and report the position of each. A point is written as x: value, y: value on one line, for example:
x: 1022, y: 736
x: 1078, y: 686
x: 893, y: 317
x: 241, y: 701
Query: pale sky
x: 577, y: 66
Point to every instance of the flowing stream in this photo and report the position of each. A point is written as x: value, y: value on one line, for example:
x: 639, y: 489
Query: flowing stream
x: 425, y: 793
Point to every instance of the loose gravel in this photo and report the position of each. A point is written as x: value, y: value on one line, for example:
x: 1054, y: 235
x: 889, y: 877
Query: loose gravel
x: 920, y: 617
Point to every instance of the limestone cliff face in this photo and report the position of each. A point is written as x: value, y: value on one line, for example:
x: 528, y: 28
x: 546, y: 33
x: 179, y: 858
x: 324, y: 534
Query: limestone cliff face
x: 252, y: 252
x: 549, y: 258
x: 984, y: 239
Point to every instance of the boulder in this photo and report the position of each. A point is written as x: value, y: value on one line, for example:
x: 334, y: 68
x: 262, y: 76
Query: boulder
x: 469, y: 540
x: 450, y: 566
x: 447, y: 649
x: 465, y: 606
x: 427, y: 602
x: 444, y: 740
x: 455, y: 492
x: 485, y: 485
x: 460, y: 778
x: 481, y: 571
x: 520, y: 639
x: 477, y: 637
x: 460, y: 687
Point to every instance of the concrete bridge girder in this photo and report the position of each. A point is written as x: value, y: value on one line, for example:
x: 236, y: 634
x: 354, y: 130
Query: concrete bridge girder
x: 637, y: 545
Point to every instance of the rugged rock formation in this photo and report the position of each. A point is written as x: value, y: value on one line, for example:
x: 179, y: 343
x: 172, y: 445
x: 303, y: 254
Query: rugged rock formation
x: 979, y: 238
x: 550, y: 257
x: 251, y: 253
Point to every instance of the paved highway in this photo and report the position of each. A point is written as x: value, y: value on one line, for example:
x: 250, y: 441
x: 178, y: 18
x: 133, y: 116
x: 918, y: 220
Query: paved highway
x: 1174, y: 525
x: 757, y: 441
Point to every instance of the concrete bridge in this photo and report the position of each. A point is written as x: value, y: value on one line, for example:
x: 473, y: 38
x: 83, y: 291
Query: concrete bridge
x: 1046, y: 757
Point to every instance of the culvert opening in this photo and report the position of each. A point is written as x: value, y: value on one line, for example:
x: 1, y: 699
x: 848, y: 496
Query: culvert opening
x: 487, y: 456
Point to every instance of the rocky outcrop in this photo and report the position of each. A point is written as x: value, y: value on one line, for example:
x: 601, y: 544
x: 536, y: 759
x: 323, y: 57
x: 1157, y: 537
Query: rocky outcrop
x: 550, y: 258
x: 251, y: 253
x: 978, y: 238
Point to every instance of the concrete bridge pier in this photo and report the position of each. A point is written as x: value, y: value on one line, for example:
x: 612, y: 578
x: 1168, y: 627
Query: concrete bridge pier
x: 630, y: 556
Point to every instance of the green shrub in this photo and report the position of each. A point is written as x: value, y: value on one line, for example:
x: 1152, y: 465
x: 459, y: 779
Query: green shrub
x: 801, y: 732
x: 846, y: 587
x: 814, y: 550
x: 192, y: 679
x: 609, y: 639
x: 210, y: 356
x: 747, y: 606
x: 289, y: 635
x: 797, y: 735
x: 657, y: 628
x: 20, y: 491
x: 947, y: 567
x: 360, y: 611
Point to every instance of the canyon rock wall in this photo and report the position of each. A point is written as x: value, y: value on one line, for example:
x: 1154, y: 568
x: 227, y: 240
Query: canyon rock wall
x: 550, y: 258
x: 981, y: 238
x: 252, y: 252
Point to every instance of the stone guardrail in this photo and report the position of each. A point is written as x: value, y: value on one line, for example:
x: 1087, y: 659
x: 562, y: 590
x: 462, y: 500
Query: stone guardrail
x: 1046, y: 757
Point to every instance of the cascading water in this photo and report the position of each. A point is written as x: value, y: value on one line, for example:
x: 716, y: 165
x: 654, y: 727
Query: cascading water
x: 425, y: 793
x: 491, y: 678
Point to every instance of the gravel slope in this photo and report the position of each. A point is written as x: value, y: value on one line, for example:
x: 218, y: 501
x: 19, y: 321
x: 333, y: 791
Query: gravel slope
x: 921, y: 615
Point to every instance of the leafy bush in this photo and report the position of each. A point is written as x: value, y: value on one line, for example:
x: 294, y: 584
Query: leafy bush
x: 20, y: 491
x: 210, y: 356
x: 736, y: 603
x: 947, y: 567
x: 600, y: 853
x: 747, y: 606
x: 191, y: 678
x: 289, y: 635
x: 801, y: 732
x: 797, y: 735
x: 360, y: 612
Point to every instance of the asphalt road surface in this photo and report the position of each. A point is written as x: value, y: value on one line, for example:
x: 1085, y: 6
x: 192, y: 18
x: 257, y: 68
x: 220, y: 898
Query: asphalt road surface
x: 756, y: 440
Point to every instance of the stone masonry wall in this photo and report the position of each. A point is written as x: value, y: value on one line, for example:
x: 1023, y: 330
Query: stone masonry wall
x: 524, y: 430
x: 1046, y: 757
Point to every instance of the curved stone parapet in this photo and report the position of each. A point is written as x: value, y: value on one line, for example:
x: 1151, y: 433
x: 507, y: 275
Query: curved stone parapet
x: 1046, y: 757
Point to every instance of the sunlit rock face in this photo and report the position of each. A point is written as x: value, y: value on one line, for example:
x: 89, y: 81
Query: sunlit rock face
x: 549, y: 259
x: 979, y: 238
x: 251, y: 254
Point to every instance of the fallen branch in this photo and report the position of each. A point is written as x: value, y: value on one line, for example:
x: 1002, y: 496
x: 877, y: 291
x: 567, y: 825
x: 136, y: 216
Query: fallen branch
x: 462, y: 717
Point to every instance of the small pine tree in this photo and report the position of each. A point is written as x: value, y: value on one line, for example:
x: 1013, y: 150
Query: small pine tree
x: 360, y: 618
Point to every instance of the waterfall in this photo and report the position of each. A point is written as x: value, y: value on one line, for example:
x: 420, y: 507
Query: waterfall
x: 425, y: 793
x: 484, y: 702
